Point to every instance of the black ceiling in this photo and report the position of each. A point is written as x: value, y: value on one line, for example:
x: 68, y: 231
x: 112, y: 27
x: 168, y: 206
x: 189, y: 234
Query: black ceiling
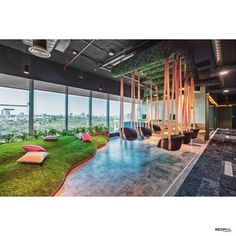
x: 97, y: 54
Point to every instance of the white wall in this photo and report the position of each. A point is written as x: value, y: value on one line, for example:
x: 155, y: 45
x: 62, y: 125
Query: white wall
x: 199, y: 107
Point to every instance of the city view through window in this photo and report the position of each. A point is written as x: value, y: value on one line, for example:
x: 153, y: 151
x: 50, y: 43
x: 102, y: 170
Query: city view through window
x: 49, y: 111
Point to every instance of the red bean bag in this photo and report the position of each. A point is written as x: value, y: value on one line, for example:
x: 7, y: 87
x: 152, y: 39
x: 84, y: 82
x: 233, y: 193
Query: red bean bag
x: 34, y: 148
x: 86, y: 137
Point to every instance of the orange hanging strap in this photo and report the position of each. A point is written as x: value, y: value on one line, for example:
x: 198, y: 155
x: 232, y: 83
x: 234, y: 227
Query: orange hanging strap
x: 176, y: 98
x: 139, y: 105
x: 122, y: 133
x: 189, y: 104
x: 135, y: 122
x: 180, y: 96
x: 172, y: 94
x: 193, y: 102
x: 147, y: 106
x: 132, y: 103
x: 184, y: 100
x: 150, y: 123
x: 168, y: 107
x: 164, y: 102
x: 156, y: 105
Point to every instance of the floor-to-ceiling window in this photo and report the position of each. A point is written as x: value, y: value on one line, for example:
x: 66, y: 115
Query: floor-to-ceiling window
x: 127, y: 114
x: 99, y: 111
x: 49, y: 110
x: 78, y: 111
x: 14, y: 111
x: 114, y: 117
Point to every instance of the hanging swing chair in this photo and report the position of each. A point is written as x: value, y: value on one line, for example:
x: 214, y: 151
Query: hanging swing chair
x: 128, y: 134
x: 146, y: 132
x: 150, y: 64
x: 195, y: 132
x: 176, y: 143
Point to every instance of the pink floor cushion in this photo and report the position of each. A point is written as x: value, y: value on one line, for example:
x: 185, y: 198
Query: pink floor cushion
x: 34, y: 148
x: 33, y: 157
x: 86, y: 137
x: 50, y: 138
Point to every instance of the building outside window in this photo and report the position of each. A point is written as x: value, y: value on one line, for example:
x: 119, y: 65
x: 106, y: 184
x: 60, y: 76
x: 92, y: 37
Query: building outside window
x: 14, y: 111
x: 78, y: 111
x: 114, y: 118
x: 49, y: 110
x: 99, y: 111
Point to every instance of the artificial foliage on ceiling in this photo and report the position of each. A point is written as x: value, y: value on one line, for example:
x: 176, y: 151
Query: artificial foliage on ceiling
x: 150, y: 62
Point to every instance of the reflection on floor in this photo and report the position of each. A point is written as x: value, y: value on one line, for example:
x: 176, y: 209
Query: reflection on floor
x: 214, y: 174
x: 125, y: 168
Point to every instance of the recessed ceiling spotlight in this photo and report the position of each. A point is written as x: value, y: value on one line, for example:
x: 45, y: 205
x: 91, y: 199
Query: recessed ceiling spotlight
x: 74, y: 52
x: 111, y: 53
x: 226, y: 91
x: 224, y: 72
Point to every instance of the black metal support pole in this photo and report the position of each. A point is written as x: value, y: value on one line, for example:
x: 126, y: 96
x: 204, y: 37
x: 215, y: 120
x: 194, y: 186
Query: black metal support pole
x: 90, y: 109
x: 31, y: 106
x: 66, y: 109
x: 108, y: 113
x: 207, y: 115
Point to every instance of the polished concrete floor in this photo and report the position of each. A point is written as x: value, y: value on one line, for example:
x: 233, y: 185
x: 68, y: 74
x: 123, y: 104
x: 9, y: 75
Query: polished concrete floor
x: 125, y: 168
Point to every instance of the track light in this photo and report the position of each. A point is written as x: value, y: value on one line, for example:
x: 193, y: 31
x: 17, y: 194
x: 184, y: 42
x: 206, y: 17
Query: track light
x: 223, y: 72
x: 26, y: 69
x: 100, y: 88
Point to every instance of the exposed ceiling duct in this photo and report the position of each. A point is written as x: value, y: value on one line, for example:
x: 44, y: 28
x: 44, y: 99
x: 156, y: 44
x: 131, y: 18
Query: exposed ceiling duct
x: 50, y: 43
x: 62, y: 45
x: 217, y: 51
x: 39, y: 49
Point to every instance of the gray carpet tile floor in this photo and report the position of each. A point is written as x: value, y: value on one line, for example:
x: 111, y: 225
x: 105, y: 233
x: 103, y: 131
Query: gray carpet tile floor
x: 214, y: 174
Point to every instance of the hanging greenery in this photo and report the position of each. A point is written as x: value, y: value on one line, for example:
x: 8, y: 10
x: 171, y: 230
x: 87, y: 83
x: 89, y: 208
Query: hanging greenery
x: 150, y: 62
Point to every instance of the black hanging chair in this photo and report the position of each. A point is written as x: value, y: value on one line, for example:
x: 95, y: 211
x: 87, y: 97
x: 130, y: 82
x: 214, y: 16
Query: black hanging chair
x: 187, y: 136
x: 156, y: 128
x: 130, y: 134
x: 176, y: 142
x: 195, y: 132
x: 146, y: 132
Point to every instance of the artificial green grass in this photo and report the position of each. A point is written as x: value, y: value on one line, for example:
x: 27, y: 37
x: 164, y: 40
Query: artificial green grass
x: 18, y: 179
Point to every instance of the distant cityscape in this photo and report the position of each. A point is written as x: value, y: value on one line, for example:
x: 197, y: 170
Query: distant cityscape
x: 18, y: 123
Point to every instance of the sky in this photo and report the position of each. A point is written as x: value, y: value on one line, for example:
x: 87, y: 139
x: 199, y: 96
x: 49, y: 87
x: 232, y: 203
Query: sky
x: 54, y: 103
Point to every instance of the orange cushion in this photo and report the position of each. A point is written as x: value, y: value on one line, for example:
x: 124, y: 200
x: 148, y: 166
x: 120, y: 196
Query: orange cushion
x: 33, y: 157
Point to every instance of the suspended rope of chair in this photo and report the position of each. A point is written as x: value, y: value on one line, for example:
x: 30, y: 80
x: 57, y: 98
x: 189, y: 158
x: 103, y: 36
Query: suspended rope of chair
x: 172, y: 94
x: 168, y: 107
x: 132, y: 102
x: 193, y: 102
x: 180, y: 95
x: 139, y: 106
x: 189, y: 105
x: 147, y: 106
x: 176, y: 96
x: 165, y: 97
x: 184, y: 108
x: 156, y: 105
x: 150, y: 122
x: 122, y: 133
